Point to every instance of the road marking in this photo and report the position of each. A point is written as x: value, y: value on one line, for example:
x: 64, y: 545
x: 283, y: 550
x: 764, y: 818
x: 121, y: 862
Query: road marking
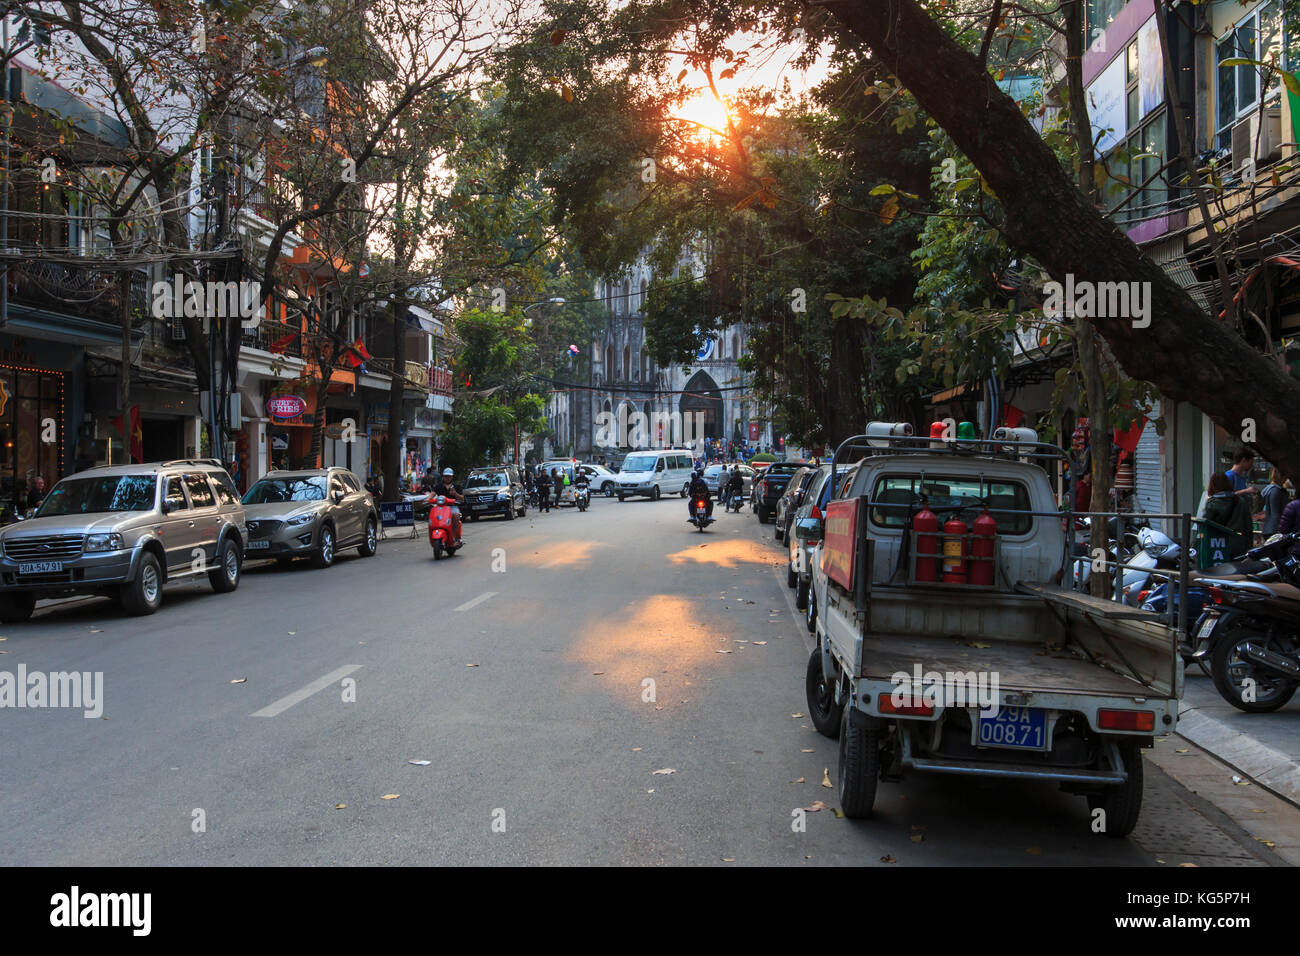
x: 800, y: 621
x: 476, y: 601
x: 298, y: 696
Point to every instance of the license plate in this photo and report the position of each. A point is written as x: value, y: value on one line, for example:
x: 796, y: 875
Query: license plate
x: 1207, y: 626
x: 40, y: 567
x: 1014, y: 728
x: 256, y: 545
x: 477, y: 507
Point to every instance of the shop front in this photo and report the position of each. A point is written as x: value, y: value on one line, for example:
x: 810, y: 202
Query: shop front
x: 32, y: 421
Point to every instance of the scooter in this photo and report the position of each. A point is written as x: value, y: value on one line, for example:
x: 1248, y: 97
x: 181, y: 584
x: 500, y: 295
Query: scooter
x: 444, y: 529
x: 700, y: 514
x: 1252, y: 631
x: 582, y: 497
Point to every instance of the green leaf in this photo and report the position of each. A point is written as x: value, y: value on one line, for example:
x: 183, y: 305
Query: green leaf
x: 1292, y: 83
x: 884, y: 189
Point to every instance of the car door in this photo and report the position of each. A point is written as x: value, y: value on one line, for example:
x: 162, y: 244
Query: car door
x: 205, y: 517
x: 343, y: 510
x: 357, y: 500
x: 176, y: 529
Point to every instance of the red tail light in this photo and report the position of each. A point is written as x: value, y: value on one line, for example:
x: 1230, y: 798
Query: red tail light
x: 1216, y: 595
x: 887, y: 706
x: 1144, y: 720
x: 1143, y: 595
x: 816, y: 513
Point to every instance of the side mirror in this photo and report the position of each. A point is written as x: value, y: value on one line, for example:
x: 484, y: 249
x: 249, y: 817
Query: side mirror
x: 337, y: 495
x: 166, y: 507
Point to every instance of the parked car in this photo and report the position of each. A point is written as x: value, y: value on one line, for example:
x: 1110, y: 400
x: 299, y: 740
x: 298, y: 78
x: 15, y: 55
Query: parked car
x: 804, y: 532
x: 123, y: 531
x: 601, y: 479
x: 310, y: 513
x: 791, y: 499
x: 494, y: 491
x: 769, y: 488
x: 712, y: 473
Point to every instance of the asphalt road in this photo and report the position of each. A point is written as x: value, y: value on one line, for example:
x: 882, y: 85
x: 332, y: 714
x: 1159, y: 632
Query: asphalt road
x: 546, y: 673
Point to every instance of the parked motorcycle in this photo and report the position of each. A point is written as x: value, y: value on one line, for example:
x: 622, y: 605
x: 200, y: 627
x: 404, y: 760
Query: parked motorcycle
x: 1144, y: 550
x: 444, y: 529
x: 1251, y: 632
x: 700, y: 514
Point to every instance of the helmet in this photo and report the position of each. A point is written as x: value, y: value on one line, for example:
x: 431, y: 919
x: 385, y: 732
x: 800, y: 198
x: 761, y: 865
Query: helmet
x: 447, y: 472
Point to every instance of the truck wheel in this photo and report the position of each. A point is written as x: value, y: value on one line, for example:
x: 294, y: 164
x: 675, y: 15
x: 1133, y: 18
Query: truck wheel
x: 825, y: 712
x: 1230, y: 669
x: 1123, y: 802
x: 144, y: 594
x: 224, y: 578
x: 859, y: 764
x: 18, y: 607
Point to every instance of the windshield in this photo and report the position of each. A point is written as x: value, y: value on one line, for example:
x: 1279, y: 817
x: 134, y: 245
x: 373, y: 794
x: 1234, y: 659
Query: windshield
x: 486, y: 479
x: 273, y: 490
x: 640, y: 462
x: 77, y: 496
x: 896, y: 495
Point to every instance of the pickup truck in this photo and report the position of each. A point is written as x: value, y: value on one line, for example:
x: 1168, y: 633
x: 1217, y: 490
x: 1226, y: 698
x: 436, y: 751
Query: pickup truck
x: 917, y: 667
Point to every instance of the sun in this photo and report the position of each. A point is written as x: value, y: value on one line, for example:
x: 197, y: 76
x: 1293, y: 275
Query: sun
x: 705, y: 113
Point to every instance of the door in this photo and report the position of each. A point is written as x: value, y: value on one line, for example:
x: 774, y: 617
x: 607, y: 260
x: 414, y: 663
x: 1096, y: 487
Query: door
x: 205, y: 516
x: 343, y: 508
x: 177, y: 526
x: 355, y: 501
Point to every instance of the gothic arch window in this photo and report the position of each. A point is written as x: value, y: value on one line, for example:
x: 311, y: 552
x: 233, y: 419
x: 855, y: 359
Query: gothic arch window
x: 627, y: 362
x: 641, y: 301
x: 735, y: 345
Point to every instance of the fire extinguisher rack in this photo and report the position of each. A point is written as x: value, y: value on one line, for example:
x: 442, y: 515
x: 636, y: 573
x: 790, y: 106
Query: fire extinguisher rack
x: 968, y: 540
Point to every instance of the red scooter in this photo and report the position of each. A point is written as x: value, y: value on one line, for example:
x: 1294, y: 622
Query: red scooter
x: 444, y: 527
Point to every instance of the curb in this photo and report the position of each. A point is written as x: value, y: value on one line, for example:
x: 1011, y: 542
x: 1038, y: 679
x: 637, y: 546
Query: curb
x: 1272, y: 769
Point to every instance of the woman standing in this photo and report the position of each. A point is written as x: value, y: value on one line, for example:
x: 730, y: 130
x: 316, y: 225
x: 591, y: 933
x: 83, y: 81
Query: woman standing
x: 1230, y: 511
x: 1275, y: 499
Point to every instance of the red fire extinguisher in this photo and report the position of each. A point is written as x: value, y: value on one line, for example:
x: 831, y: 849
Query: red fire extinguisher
x: 926, y: 526
x: 982, y: 571
x: 954, y: 551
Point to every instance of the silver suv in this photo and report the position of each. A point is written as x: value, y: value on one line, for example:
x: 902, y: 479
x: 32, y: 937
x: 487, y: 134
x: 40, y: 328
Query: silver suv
x: 123, y: 531
x: 310, y: 513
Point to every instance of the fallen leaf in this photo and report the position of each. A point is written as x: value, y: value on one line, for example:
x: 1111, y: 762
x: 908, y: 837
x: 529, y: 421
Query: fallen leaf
x: 800, y: 780
x: 796, y: 715
x: 838, y: 812
x: 1266, y: 842
x: 419, y: 763
x: 1182, y: 751
x: 597, y: 673
x: 817, y: 807
x: 724, y: 652
x: 807, y: 750
x: 1259, y: 811
x: 917, y: 837
x: 636, y: 750
x: 887, y: 859
x: 826, y: 779
x: 292, y: 633
x: 1188, y: 864
x: 471, y: 665
x: 982, y: 645
x: 759, y: 643
x: 666, y: 770
x: 1035, y: 851
x: 340, y: 806
x: 239, y: 680
x: 728, y: 859
x: 390, y: 796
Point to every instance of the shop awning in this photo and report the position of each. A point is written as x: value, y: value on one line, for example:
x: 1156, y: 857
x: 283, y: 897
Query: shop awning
x: 424, y: 319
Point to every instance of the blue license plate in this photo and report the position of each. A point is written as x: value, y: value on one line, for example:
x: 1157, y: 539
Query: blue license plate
x: 1015, y: 728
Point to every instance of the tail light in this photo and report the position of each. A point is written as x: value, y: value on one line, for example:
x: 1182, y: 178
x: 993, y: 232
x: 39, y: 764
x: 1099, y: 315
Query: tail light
x: 887, y: 706
x: 816, y: 513
x: 1144, y: 720
x: 1143, y: 595
x: 1216, y: 594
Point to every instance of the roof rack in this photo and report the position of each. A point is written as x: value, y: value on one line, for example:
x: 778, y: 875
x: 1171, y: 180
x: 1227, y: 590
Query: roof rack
x: 193, y: 461
x: 988, y: 448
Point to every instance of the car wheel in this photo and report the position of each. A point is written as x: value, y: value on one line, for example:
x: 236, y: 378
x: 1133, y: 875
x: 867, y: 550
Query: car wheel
x: 801, y: 592
x: 622, y: 497
x: 685, y: 490
x: 822, y: 708
x: 224, y: 578
x: 654, y: 495
x: 144, y: 594
x: 810, y: 613
x: 791, y: 575
x: 607, y: 489
x: 1122, y: 803
x: 325, y: 548
x: 510, y: 513
x: 776, y: 531
x: 16, y: 608
x: 762, y: 516
x: 371, y: 544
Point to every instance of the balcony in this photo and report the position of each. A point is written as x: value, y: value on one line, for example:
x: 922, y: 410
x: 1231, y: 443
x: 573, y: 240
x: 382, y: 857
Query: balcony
x: 81, y: 291
x: 278, y: 338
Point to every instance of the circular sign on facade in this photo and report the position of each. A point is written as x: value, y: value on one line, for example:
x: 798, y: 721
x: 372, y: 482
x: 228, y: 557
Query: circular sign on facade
x: 705, y: 351
x: 286, y: 406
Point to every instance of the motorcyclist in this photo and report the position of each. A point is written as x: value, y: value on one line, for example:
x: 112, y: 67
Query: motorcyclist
x: 735, y: 486
x: 699, y: 491
x: 449, y: 489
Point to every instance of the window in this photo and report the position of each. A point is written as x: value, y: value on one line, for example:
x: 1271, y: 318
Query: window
x: 349, y: 482
x: 895, y: 495
x: 1098, y: 15
x: 200, y: 494
x: 175, y: 494
x: 100, y: 495
x: 1258, y: 36
x: 227, y: 494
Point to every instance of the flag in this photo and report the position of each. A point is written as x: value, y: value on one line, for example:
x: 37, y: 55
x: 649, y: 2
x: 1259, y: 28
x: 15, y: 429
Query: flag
x: 135, y: 439
x: 355, y: 354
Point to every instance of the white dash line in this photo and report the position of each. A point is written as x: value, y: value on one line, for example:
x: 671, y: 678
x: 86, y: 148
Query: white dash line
x: 298, y: 696
x: 475, y: 602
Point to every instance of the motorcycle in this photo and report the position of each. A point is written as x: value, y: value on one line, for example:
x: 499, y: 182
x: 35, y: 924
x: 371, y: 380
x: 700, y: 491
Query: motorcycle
x: 444, y: 529
x: 1251, y: 632
x: 1143, y: 551
x: 700, y: 514
x: 582, y: 497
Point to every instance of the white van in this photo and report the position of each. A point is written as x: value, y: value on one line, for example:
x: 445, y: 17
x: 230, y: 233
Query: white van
x: 656, y: 472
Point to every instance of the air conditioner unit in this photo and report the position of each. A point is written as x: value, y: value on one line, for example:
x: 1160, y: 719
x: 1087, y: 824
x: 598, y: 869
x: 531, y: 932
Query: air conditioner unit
x: 1257, y: 138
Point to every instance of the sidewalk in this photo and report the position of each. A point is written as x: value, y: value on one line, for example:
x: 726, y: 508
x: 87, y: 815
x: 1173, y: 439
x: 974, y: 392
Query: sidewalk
x: 1263, y: 747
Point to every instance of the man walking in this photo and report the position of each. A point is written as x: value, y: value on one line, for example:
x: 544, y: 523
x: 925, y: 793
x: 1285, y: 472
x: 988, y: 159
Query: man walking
x: 543, y: 490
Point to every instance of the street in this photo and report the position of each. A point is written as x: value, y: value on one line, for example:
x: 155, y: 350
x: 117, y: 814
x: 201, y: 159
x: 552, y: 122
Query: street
x: 548, y: 674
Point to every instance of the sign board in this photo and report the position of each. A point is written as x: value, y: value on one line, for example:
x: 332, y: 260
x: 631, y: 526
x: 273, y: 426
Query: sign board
x: 840, y: 542
x: 1106, y: 105
x: 753, y: 431
x: 397, y: 514
x: 286, y: 406
x: 279, y: 441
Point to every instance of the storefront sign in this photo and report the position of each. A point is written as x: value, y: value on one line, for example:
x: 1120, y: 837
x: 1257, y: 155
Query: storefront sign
x: 840, y: 542
x: 379, y: 414
x: 279, y: 441
x: 753, y: 431
x: 1106, y: 105
x: 286, y: 406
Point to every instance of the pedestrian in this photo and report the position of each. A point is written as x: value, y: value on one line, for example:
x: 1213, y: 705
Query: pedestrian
x: 1275, y: 499
x: 1290, y: 522
x: 235, y: 474
x: 36, y: 494
x: 1239, y: 473
x: 1230, y: 511
x: 543, y: 490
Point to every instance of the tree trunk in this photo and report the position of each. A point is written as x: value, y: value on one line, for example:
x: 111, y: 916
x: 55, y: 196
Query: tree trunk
x: 396, y: 390
x: 124, y: 396
x: 1187, y: 355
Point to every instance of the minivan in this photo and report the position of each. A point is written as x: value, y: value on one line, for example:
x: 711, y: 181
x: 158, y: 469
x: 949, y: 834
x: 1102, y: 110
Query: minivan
x: 656, y: 473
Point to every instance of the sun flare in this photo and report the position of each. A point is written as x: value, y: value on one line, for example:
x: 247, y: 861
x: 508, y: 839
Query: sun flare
x: 705, y: 112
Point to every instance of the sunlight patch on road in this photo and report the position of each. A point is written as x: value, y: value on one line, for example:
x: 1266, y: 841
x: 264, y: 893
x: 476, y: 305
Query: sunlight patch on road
x: 658, y: 639
x: 726, y: 554
x: 563, y: 554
